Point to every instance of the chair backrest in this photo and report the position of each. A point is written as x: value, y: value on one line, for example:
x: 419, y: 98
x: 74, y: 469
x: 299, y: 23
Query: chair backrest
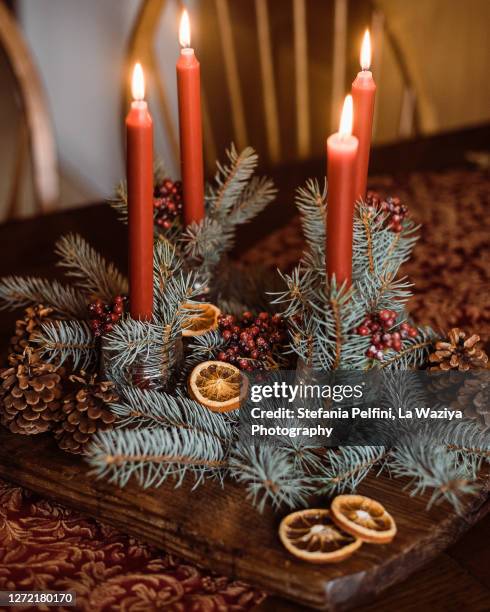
x: 220, y: 21
x: 35, y: 140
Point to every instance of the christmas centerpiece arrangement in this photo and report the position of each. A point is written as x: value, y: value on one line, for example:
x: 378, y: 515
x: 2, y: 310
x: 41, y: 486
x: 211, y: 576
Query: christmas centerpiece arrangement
x: 147, y: 376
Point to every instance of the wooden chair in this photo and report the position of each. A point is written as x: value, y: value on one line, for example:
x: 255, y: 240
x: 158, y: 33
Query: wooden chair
x: 35, y: 140
x: 217, y: 18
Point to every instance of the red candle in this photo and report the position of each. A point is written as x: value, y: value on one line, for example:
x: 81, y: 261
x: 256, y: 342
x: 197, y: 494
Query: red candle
x: 139, y: 172
x: 191, y: 158
x: 363, y: 94
x: 342, y: 150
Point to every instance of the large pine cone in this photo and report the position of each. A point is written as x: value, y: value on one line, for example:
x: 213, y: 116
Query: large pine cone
x: 30, y: 394
x: 474, y: 399
x: 85, y: 412
x: 458, y: 353
x: 27, y: 327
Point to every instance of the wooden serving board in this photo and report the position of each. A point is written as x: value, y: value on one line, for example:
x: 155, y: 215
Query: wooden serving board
x: 219, y: 529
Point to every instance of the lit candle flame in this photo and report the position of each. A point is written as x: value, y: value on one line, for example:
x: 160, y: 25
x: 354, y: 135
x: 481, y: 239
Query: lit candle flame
x: 366, y: 51
x: 185, y: 30
x: 345, y: 128
x: 138, y: 83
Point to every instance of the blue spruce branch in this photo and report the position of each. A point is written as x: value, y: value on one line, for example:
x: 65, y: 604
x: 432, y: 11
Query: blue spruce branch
x: 90, y: 271
x: 152, y: 456
x: 17, y: 291
x: 68, y: 340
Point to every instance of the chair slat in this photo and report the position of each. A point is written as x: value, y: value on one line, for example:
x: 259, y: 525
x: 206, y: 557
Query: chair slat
x: 301, y: 72
x: 339, y: 61
x: 407, y: 113
x: 141, y: 49
x: 377, y: 36
x: 37, y: 118
x: 231, y: 71
x: 268, y: 80
x: 210, y: 151
x: 21, y: 158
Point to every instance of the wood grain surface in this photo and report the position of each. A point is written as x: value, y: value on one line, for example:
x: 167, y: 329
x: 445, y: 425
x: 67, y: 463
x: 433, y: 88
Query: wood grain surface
x: 219, y: 529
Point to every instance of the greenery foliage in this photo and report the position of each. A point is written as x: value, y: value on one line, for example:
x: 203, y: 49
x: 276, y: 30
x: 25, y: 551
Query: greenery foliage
x: 162, y: 434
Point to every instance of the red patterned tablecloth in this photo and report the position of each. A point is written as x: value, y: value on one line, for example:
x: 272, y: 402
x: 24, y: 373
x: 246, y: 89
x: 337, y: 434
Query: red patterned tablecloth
x: 45, y: 546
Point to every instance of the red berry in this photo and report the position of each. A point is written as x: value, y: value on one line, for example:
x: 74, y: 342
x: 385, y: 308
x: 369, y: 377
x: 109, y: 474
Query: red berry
x: 384, y: 315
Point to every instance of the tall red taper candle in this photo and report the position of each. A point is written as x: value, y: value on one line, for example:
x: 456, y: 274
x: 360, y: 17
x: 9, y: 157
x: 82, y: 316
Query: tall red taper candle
x: 139, y: 172
x: 191, y: 157
x: 363, y: 94
x: 342, y: 149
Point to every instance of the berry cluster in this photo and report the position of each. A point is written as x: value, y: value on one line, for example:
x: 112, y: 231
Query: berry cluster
x: 384, y: 332
x: 167, y: 202
x: 251, y: 341
x: 394, y: 209
x: 103, y: 317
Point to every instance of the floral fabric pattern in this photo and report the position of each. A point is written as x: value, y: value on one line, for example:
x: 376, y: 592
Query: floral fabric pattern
x: 44, y: 546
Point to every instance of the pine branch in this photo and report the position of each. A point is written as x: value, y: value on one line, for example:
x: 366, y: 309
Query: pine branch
x: 312, y: 205
x: 149, y: 346
x: 151, y: 409
x: 205, y: 242
x: 92, y: 273
x: 204, y: 348
x: 231, y: 180
x: 463, y: 437
x: 268, y: 475
x: 347, y: 467
x: 377, y: 245
x: 120, y: 202
x: 430, y: 466
x: 166, y: 263
x: 414, y: 352
x: 17, y: 291
x: 152, y: 456
x: 256, y: 196
x: 68, y: 340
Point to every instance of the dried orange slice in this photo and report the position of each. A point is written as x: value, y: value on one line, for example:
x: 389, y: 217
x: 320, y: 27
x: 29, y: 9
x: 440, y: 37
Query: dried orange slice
x: 311, y: 535
x: 364, y: 518
x: 201, y: 318
x: 218, y: 386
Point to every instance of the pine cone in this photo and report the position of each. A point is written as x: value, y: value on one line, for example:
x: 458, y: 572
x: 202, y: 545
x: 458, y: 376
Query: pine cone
x: 85, y: 412
x: 474, y: 399
x: 458, y: 352
x: 30, y: 394
x: 27, y: 327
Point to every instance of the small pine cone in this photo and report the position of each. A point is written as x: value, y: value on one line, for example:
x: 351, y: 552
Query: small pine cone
x: 458, y: 352
x: 27, y: 327
x: 30, y: 394
x: 85, y: 412
x: 474, y: 399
